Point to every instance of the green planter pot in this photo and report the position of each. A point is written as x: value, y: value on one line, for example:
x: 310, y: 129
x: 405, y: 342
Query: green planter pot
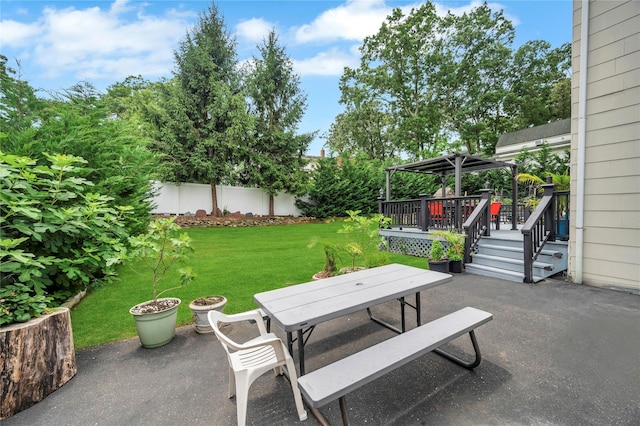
x: 158, y: 328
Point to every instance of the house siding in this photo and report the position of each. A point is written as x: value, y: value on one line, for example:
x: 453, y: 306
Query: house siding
x: 611, y: 247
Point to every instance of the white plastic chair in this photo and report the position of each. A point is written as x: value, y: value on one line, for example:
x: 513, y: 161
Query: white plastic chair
x: 250, y: 360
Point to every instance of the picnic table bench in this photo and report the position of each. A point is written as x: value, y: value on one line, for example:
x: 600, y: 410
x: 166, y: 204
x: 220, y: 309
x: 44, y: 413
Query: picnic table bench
x: 336, y: 380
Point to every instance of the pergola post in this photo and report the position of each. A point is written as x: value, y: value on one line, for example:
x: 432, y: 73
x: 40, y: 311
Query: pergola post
x: 514, y: 198
x: 458, y: 174
x: 388, y: 186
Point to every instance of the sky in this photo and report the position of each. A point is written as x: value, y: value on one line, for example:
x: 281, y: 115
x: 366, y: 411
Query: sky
x: 60, y: 43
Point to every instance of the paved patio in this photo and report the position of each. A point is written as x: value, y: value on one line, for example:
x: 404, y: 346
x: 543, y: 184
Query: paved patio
x: 555, y: 354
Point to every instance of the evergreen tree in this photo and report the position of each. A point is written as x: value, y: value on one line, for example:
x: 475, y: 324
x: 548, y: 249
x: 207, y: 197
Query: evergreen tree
x: 277, y: 103
x: 206, y: 127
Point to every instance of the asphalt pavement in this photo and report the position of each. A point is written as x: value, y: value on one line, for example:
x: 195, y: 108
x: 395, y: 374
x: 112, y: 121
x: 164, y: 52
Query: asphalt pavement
x: 555, y: 354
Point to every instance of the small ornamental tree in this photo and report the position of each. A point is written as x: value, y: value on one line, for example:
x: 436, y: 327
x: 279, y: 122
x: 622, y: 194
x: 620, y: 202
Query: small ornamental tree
x: 57, y: 237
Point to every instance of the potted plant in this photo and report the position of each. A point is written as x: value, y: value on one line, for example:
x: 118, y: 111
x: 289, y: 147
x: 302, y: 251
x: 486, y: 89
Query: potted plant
x: 331, y: 252
x: 364, y: 238
x: 455, y: 248
x: 160, y: 248
x: 200, y: 308
x: 437, y: 260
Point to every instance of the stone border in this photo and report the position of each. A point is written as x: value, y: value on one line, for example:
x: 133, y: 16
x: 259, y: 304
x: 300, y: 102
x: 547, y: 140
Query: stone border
x: 239, y: 222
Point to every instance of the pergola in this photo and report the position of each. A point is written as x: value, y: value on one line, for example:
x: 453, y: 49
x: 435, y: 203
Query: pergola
x: 456, y: 163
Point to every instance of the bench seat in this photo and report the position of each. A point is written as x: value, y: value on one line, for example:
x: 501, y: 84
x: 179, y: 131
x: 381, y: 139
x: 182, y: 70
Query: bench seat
x: 335, y: 380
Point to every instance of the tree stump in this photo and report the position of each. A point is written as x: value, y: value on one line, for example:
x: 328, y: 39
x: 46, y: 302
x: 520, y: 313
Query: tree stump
x: 36, y: 358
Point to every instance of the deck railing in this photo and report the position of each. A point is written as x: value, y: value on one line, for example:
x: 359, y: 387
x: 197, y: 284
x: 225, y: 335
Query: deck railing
x: 478, y: 224
x: 427, y: 213
x: 544, y: 224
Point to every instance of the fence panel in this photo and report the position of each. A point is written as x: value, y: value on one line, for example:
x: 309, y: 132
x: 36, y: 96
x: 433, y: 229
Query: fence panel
x: 190, y: 197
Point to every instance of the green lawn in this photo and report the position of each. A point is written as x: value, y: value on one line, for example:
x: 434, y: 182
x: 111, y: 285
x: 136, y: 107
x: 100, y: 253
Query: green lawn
x: 233, y: 262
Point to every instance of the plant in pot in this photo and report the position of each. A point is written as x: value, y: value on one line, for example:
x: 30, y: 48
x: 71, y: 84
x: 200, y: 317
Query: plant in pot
x: 200, y: 308
x: 159, y: 249
x: 455, y: 248
x: 437, y: 259
x: 365, y: 240
x: 331, y: 255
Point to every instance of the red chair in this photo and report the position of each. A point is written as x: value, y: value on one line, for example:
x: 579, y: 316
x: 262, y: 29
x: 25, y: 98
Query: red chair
x: 494, y: 211
x: 436, y: 213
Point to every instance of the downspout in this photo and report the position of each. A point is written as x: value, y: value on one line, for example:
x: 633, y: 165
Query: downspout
x: 582, y: 136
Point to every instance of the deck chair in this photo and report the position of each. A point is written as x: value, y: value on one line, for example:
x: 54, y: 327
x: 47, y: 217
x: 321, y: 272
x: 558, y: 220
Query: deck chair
x: 494, y: 211
x: 250, y: 360
x: 436, y: 213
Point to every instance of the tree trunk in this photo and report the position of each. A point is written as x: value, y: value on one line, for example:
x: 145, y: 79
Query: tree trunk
x: 214, y: 199
x: 271, y: 206
x: 36, y: 358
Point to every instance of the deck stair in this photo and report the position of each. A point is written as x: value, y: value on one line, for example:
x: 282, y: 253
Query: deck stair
x: 504, y: 258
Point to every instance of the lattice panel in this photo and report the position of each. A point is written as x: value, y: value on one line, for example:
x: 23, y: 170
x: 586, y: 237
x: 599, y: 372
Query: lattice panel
x: 410, y: 246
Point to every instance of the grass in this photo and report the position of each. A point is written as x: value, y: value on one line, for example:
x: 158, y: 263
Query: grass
x: 234, y: 262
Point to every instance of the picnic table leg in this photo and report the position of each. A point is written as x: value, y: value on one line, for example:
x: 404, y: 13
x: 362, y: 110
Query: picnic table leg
x: 343, y: 411
x: 465, y: 364
x: 301, y: 351
x: 402, y: 316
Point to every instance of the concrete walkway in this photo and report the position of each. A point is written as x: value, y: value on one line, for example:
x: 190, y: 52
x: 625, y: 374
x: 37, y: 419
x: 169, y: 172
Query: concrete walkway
x: 555, y: 354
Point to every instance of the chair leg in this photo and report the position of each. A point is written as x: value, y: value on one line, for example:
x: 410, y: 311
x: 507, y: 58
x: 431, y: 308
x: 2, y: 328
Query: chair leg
x: 242, y: 396
x: 232, y: 383
x: 293, y: 377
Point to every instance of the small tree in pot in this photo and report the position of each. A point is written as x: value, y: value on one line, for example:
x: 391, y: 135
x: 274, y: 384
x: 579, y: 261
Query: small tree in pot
x: 160, y: 248
x: 437, y: 260
x: 455, y: 248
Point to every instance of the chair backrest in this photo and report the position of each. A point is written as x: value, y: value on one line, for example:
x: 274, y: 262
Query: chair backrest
x: 435, y: 209
x: 215, y: 317
x: 495, y: 208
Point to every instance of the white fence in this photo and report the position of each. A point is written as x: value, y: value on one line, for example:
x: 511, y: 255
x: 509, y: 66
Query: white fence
x: 190, y: 197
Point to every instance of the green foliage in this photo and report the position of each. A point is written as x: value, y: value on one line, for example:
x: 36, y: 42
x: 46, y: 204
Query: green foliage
x: 76, y: 122
x: 436, y: 251
x: 363, y: 238
x: 274, y: 162
x: 200, y: 119
x: 342, y: 184
x: 160, y: 248
x: 57, y: 236
x: 455, y: 244
x: 19, y: 303
x: 428, y: 84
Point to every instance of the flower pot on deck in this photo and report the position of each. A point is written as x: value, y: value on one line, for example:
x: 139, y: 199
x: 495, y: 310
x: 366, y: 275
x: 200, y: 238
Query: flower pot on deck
x: 439, y: 266
x: 455, y: 266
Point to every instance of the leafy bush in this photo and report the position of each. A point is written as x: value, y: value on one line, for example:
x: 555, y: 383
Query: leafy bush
x: 338, y: 185
x: 57, y: 236
x: 18, y: 303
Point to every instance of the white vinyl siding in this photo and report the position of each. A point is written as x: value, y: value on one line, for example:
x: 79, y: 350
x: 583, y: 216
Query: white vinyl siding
x: 611, y: 249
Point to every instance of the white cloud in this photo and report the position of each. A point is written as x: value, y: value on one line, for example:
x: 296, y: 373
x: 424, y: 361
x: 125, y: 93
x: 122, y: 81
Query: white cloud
x: 352, y: 21
x: 17, y: 34
x: 254, y: 30
x: 328, y: 63
x: 94, y: 43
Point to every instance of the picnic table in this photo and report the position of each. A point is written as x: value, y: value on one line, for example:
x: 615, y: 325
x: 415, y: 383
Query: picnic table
x: 299, y: 308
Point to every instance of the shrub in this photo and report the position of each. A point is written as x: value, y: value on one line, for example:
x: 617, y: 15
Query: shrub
x: 57, y: 236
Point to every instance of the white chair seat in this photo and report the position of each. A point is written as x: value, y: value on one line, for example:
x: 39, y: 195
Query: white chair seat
x: 249, y: 360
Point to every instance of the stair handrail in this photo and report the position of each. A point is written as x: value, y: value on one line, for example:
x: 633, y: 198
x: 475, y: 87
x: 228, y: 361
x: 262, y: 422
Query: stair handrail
x: 537, y: 230
x: 477, y: 225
